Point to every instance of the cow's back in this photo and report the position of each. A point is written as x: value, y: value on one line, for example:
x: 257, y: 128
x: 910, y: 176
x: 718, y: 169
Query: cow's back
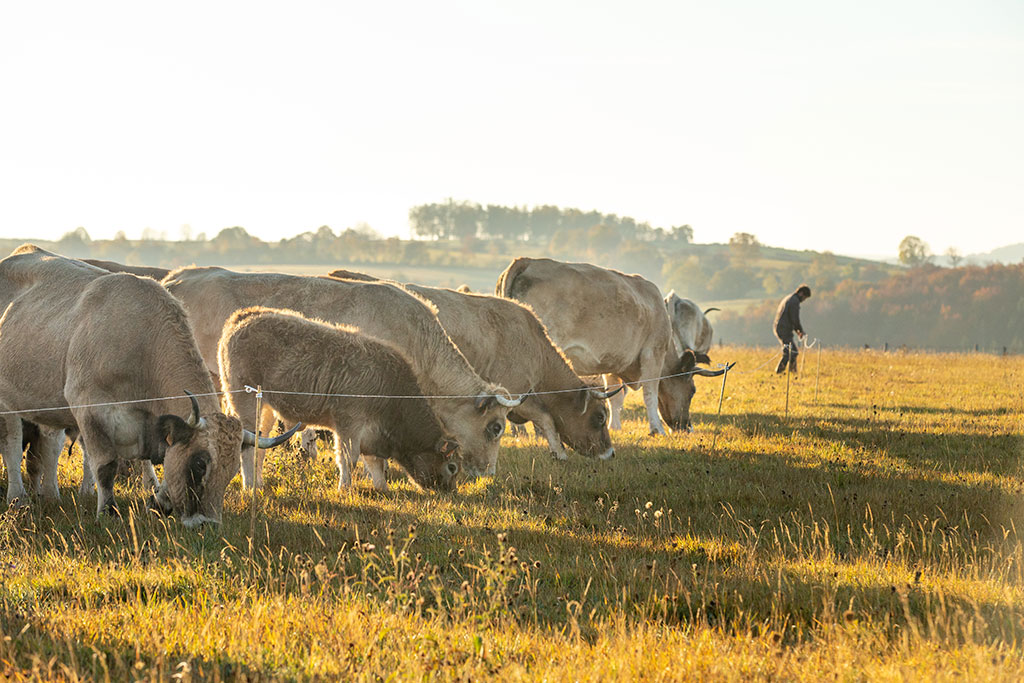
x: 502, y: 339
x: 601, y: 318
x: 380, y: 309
x: 142, y: 271
x: 130, y: 339
x: 39, y: 293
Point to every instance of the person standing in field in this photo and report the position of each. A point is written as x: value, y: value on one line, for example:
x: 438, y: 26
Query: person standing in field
x: 787, y: 323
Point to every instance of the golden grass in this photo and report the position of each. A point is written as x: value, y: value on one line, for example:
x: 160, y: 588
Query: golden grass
x: 871, y: 534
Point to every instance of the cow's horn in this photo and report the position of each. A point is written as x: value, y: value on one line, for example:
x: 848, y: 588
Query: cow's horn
x: 194, y: 418
x: 607, y: 394
x: 509, y: 402
x: 249, y: 439
x: 708, y: 310
x: 703, y: 372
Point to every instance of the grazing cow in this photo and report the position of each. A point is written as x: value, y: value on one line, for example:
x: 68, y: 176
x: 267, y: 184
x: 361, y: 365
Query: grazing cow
x: 475, y: 417
x: 283, y: 350
x: 507, y: 344
x: 690, y: 326
x: 111, y: 354
x: 609, y: 323
x: 142, y: 271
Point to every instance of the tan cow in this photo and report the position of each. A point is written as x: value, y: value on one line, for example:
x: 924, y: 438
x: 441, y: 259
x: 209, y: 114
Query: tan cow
x: 609, y: 323
x: 292, y: 354
x: 476, y: 419
x: 112, y: 354
x: 507, y: 344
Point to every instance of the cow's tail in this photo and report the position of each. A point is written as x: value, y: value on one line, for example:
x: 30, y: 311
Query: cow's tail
x: 507, y: 280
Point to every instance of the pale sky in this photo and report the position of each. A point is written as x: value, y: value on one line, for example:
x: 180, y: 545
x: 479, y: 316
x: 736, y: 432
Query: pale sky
x: 819, y: 125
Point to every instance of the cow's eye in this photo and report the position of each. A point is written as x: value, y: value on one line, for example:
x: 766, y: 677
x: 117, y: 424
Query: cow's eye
x: 495, y: 429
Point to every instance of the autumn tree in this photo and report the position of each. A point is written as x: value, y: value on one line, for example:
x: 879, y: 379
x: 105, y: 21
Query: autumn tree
x: 913, y: 251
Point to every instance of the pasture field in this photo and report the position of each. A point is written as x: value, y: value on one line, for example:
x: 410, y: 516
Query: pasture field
x: 875, y: 533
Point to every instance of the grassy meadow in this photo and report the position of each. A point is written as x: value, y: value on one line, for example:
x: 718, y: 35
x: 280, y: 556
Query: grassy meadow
x: 875, y: 532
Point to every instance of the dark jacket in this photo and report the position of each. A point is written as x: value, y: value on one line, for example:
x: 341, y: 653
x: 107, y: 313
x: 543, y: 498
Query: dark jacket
x: 787, y: 318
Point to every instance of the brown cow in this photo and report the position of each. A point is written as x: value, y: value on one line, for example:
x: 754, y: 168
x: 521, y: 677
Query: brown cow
x: 283, y: 350
x: 476, y: 418
x: 112, y: 354
x: 609, y: 323
x: 507, y: 344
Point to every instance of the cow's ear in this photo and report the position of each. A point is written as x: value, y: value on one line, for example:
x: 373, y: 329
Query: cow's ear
x: 447, y: 447
x: 172, y: 429
x: 703, y: 358
x: 583, y: 399
x: 687, y: 361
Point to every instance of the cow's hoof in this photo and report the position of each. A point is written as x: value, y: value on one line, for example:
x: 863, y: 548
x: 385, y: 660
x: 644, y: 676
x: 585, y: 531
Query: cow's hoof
x: 559, y: 456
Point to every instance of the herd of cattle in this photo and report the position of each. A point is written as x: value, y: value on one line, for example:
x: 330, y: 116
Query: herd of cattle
x: 115, y: 355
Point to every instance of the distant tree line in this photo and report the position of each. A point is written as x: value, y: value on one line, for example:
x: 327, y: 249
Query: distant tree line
x: 923, y: 307
x: 465, y: 220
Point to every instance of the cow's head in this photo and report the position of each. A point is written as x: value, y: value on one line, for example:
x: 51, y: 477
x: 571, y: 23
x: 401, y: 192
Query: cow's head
x: 200, y: 455
x: 676, y: 392
x: 581, y: 419
x: 477, y: 424
x: 435, y: 468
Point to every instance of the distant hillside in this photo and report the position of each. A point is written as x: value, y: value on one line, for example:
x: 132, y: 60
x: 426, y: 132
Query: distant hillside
x: 1011, y: 253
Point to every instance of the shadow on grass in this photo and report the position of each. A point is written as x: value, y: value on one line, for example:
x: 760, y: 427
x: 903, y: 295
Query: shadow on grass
x: 924, y: 410
x: 964, y: 453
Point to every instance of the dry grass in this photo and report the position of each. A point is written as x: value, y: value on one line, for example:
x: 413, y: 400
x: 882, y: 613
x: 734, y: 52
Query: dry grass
x: 873, y: 534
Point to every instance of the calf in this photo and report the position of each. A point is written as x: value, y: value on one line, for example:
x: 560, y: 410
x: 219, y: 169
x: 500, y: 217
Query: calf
x: 310, y: 371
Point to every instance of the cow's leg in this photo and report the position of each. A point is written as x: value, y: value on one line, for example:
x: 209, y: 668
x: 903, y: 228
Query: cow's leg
x: 47, y: 453
x: 248, y: 466
x: 308, y: 445
x: 267, y: 420
x: 245, y: 407
x: 651, y: 368
x: 616, y: 402
x: 543, y: 425
x: 546, y: 426
x: 150, y: 480
x: 88, y: 485
x: 11, y: 444
x: 102, y: 462
x: 346, y: 452
x: 377, y: 468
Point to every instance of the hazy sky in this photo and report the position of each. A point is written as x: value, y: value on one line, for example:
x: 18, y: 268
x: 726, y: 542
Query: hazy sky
x: 821, y: 125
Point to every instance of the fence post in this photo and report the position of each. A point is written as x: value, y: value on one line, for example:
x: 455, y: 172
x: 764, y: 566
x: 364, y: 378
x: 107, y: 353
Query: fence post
x: 721, y: 397
x: 817, y: 375
x: 255, y: 459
